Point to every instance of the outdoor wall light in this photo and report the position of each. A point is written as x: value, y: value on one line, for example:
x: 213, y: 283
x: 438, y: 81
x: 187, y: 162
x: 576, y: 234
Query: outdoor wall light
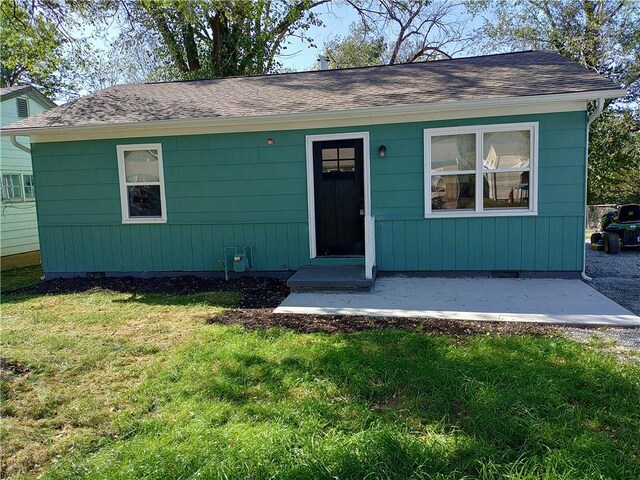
x: 270, y: 141
x: 382, y: 151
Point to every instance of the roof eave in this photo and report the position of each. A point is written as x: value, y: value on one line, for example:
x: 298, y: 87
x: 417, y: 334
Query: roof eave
x: 30, y: 90
x: 272, y: 122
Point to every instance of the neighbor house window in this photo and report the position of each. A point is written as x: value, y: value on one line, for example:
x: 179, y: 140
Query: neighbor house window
x: 12, y: 187
x: 483, y: 170
x: 141, y: 183
x: 29, y: 190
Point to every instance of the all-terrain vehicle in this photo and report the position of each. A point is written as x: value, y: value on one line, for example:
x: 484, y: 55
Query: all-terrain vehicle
x: 619, y: 228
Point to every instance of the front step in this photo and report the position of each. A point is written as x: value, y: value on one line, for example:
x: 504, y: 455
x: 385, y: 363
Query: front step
x: 334, y: 278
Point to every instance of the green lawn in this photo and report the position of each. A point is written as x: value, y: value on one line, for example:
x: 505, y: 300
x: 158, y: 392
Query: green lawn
x: 142, y: 386
x: 20, y: 277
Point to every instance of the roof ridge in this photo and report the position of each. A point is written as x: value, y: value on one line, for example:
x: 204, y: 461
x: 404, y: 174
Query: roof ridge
x: 440, y: 60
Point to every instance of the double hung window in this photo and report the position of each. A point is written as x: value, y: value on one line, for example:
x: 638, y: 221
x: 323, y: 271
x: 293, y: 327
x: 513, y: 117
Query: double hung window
x: 481, y: 170
x: 142, y: 183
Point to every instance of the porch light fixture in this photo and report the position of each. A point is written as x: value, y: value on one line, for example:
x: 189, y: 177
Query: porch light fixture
x: 270, y: 141
x: 382, y: 151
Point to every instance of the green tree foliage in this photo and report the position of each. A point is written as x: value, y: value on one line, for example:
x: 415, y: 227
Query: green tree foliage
x: 30, y: 49
x: 614, y: 171
x: 358, y: 49
x: 602, y: 35
x: 204, y: 38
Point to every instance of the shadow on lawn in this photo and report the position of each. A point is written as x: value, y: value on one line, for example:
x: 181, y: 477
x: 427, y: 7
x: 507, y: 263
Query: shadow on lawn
x: 398, y: 404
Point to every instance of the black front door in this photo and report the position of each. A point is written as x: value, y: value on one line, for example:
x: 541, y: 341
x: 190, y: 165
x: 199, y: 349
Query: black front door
x: 339, y: 197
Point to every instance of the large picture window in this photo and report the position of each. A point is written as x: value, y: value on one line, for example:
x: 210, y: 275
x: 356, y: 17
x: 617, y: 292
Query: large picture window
x: 483, y: 170
x: 141, y: 183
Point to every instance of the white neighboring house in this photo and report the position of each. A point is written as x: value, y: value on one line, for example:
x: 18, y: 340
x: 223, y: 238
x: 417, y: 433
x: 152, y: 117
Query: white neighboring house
x: 19, y: 244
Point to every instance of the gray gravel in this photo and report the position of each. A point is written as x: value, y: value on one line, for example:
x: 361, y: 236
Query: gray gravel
x: 624, y: 343
x: 617, y: 277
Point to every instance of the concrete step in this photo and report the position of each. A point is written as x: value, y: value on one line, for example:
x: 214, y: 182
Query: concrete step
x: 334, y: 278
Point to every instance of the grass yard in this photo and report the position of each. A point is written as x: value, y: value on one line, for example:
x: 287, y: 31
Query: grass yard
x: 117, y: 385
x: 20, y: 277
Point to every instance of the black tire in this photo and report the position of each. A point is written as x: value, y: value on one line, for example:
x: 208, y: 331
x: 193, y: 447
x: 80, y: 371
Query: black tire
x: 595, y: 238
x: 611, y: 243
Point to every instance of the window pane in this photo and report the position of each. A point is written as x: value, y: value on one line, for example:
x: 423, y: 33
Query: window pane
x: 329, y: 154
x: 453, y: 192
x: 347, y: 153
x: 347, y: 165
x: 29, y: 192
x: 506, y: 190
x: 141, y: 166
x: 329, y: 166
x: 507, y: 149
x: 453, y: 152
x: 144, y: 201
x: 11, y: 187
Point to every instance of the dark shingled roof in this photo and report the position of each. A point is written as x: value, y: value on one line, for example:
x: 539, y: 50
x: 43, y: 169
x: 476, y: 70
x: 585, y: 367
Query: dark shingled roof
x: 7, y: 93
x: 474, y: 78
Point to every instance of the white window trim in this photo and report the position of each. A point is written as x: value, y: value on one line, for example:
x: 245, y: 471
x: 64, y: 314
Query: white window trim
x: 479, y: 212
x: 369, y: 240
x: 23, y: 197
x: 124, y: 201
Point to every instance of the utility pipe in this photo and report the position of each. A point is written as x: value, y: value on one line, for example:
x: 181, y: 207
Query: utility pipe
x: 592, y: 117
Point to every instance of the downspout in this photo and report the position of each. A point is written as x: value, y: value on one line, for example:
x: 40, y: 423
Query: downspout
x: 595, y: 114
x: 15, y: 143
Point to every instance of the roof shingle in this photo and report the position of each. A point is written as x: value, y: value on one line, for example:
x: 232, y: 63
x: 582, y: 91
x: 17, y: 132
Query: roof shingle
x: 473, y: 78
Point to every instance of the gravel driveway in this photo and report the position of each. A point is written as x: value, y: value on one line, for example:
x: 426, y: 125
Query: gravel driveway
x: 617, y: 277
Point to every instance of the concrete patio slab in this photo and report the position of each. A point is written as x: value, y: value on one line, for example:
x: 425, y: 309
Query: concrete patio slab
x: 567, y: 302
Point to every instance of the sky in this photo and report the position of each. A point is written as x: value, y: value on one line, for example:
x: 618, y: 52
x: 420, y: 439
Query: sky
x: 337, y: 20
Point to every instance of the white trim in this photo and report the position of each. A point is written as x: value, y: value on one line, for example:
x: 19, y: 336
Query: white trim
x: 479, y: 210
x: 124, y: 202
x: 446, y: 110
x: 22, y: 198
x: 366, y: 154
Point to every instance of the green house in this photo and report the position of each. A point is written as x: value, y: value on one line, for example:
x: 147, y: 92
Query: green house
x: 466, y: 166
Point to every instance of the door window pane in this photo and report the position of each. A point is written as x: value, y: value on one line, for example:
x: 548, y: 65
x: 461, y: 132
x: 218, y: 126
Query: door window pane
x: 506, y: 149
x: 453, y: 152
x: 329, y: 154
x: 347, y: 153
x: 506, y: 190
x: 347, y: 165
x: 144, y: 201
x: 453, y: 192
x: 141, y: 166
x: 329, y: 166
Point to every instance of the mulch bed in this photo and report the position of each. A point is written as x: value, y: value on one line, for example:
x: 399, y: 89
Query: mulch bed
x: 253, y: 319
x: 261, y: 295
x: 259, y: 292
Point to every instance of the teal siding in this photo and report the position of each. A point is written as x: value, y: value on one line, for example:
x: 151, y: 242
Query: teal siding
x: 234, y: 190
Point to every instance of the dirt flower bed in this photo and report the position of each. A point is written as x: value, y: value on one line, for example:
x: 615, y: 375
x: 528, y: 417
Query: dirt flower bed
x: 261, y: 295
x: 258, y: 292
x: 264, y: 318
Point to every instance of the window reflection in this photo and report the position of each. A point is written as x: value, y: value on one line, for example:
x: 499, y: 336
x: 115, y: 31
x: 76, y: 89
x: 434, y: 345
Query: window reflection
x: 506, y: 189
x: 144, y: 201
x: 449, y: 192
